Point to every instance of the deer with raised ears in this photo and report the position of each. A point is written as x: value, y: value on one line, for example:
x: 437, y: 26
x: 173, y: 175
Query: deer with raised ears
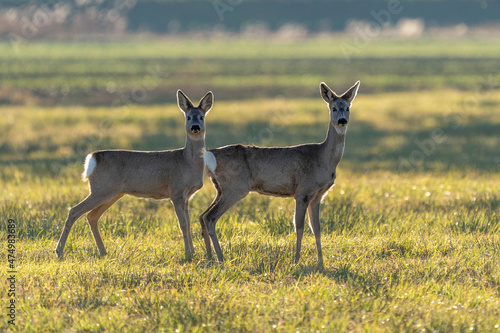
x: 304, y: 172
x: 175, y: 174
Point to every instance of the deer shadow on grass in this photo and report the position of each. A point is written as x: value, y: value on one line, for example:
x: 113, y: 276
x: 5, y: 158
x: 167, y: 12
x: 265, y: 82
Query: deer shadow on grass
x: 472, y: 146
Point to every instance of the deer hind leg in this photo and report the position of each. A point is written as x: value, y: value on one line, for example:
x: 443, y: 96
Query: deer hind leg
x: 212, y: 215
x: 92, y: 219
x: 313, y: 211
x: 181, y: 210
x: 90, y: 202
x: 301, y: 203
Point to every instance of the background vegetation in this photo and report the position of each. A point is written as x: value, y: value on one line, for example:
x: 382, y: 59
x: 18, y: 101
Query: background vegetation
x: 173, y: 16
x: 410, y: 231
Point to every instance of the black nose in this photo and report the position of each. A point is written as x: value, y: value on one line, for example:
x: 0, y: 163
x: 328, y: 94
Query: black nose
x: 342, y: 121
x: 195, y: 128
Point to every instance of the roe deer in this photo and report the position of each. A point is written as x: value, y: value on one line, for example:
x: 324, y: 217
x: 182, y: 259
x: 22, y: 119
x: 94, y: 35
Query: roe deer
x: 304, y: 172
x: 175, y: 174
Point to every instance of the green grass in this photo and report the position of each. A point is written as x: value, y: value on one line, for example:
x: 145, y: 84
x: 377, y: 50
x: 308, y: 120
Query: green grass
x: 242, y: 48
x: 410, y: 232
x: 151, y: 71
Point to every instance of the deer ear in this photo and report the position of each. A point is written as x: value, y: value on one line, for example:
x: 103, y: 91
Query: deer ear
x: 206, y: 102
x: 327, y: 93
x: 350, y: 94
x: 183, y: 101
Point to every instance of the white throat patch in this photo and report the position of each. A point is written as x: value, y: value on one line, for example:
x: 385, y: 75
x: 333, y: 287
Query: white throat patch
x: 341, y: 130
x: 198, y: 137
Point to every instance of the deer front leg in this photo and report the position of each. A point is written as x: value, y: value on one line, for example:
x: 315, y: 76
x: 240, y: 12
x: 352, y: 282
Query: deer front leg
x: 181, y: 209
x: 204, y: 230
x: 213, y: 214
x: 301, y: 203
x: 313, y: 210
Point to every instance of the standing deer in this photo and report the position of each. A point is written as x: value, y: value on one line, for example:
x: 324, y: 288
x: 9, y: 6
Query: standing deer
x: 175, y: 174
x: 304, y: 172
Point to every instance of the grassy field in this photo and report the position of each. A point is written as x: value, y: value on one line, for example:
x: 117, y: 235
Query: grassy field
x: 149, y: 72
x: 411, y: 231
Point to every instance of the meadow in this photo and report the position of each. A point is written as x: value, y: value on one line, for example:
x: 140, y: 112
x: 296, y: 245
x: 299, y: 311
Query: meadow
x: 410, y: 231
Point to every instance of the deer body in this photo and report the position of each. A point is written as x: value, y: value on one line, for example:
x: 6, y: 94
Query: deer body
x: 279, y: 172
x: 153, y: 175
x: 304, y: 172
x: 175, y: 174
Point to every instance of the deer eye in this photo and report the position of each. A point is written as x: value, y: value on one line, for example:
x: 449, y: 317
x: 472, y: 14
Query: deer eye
x: 347, y: 109
x: 201, y: 117
x: 188, y: 117
x: 334, y: 109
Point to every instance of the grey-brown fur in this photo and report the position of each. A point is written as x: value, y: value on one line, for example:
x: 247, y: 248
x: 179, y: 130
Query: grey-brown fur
x: 175, y: 174
x: 154, y: 174
x: 304, y: 172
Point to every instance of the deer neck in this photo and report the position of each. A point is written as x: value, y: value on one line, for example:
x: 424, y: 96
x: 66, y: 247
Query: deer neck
x: 333, y: 146
x: 193, y: 150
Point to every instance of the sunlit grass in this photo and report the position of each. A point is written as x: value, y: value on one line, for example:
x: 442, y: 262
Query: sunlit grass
x: 259, y: 48
x: 400, y: 253
x: 404, y: 250
x: 410, y: 232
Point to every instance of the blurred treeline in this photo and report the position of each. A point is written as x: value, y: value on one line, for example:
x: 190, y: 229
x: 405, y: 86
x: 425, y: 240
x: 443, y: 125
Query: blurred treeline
x: 174, y: 16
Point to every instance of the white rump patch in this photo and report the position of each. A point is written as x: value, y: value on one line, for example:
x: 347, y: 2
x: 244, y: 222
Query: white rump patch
x: 210, y: 161
x: 89, y: 166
